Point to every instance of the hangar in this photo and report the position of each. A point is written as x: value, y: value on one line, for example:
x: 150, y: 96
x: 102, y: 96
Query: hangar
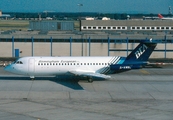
x: 51, y: 25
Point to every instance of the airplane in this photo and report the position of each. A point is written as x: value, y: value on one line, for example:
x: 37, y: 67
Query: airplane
x: 163, y: 18
x: 86, y: 67
x: 150, y: 18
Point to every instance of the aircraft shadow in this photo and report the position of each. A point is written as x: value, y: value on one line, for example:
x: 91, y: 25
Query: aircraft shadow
x: 68, y: 82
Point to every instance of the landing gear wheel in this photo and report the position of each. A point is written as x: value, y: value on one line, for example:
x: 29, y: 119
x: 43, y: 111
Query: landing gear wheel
x: 90, y: 80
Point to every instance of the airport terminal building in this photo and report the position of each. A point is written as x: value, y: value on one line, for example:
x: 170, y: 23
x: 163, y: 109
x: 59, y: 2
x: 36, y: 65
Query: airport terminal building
x: 130, y: 25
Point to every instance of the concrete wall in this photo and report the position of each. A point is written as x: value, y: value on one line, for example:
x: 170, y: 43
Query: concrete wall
x: 63, y: 49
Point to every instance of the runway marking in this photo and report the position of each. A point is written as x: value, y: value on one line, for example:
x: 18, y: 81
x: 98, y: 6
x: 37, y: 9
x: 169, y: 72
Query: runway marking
x: 144, y: 72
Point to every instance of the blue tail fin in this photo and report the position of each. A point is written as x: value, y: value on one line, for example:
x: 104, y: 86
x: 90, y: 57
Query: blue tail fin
x: 137, y: 58
x: 141, y: 53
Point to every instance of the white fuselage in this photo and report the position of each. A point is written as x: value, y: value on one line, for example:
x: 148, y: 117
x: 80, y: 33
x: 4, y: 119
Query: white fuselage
x: 167, y: 18
x: 43, y: 66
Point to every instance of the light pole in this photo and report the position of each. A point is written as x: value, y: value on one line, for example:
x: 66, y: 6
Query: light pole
x: 80, y: 5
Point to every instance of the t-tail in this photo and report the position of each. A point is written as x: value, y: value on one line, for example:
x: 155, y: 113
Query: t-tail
x: 138, y: 57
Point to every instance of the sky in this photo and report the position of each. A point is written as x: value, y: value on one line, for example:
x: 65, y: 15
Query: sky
x: 101, y: 6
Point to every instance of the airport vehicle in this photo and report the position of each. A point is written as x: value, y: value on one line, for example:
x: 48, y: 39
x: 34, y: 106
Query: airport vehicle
x: 165, y: 18
x: 89, y: 67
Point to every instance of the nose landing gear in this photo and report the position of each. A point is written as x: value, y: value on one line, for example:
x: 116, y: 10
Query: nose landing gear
x: 32, y: 77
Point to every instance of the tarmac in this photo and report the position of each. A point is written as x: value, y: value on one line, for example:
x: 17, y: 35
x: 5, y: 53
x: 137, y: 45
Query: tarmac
x: 145, y: 94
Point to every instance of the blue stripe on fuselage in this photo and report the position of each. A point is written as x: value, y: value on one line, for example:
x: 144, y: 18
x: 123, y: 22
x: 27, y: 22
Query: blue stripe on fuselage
x: 121, y: 61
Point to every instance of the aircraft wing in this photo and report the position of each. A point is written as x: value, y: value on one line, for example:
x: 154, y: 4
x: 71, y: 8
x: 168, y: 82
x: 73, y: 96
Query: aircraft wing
x: 85, y: 73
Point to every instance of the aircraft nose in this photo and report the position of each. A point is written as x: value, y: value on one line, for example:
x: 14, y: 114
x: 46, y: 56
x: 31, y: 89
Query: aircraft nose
x: 8, y: 68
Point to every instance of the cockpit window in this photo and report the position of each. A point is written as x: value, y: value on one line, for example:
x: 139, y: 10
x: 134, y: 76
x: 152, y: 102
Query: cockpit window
x: 19, y: 62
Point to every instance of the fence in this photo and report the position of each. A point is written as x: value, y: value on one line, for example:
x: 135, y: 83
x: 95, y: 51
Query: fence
x: 89, y: 42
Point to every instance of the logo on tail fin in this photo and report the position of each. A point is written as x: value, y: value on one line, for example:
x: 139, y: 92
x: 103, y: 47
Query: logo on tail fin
x: 140, y: 51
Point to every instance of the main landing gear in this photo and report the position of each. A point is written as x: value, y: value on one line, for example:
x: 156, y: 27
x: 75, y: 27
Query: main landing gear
x: 90, y: 80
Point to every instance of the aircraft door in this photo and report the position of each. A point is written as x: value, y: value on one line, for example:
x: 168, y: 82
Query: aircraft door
x: 31, y: 66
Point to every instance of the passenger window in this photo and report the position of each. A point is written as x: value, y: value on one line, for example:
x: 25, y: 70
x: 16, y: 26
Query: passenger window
x: 21, y: 62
